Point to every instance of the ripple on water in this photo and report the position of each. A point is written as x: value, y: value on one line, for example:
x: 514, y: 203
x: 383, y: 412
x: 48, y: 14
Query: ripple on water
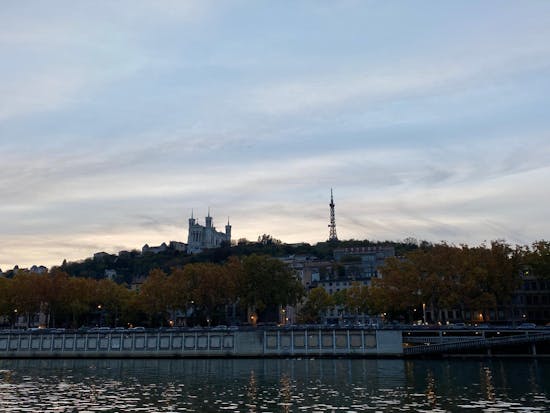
x: 269, y: 385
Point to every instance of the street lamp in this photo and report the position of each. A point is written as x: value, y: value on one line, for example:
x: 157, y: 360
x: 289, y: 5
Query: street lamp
x: 423, y: 313
x: 99, y: 306
x: 419, y: 294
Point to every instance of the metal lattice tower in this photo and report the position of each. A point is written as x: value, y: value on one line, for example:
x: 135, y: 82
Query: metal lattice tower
x: 332, y: 235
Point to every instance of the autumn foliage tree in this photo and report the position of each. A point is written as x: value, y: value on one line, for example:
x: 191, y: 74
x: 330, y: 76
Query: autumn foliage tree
x: 537, y: 259
x: 476, y: 279
x: 318, y: 301
x: 266, y: 281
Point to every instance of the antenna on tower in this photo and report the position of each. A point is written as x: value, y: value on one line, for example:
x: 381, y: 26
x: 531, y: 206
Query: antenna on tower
x: 332, y: 234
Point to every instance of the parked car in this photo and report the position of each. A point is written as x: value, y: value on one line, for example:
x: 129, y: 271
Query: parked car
x: 35, y: 329
x: 99, y: 330
x: 457, y: 326
x: 57, y: 330
x: 527, y: 326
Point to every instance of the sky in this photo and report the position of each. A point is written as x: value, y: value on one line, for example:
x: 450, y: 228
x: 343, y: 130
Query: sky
x: 428, y: 119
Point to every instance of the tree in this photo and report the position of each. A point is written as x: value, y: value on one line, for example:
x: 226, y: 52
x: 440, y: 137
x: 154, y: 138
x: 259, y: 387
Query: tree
x: 212, y: 288
x: 357, y: 298
x: 26, y: 293
x: 6, y: 306
x: 78, y: 298
x: 538, y: 259
x: 55, y: 295
x: 317, y: 303
x: 178, y: 291
x: 399, y: 288
x: 152, y: 296
x: 112, y: 299
x: 445, y: 277
x: 266, y: 281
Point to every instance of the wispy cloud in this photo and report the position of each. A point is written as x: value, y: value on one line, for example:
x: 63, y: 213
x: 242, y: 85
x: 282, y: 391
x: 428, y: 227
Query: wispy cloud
x: 117, y: 118
x: 373, y: 86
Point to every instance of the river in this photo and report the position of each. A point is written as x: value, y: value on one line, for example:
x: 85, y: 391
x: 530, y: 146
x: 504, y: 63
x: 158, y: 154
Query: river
x: 275, y: 385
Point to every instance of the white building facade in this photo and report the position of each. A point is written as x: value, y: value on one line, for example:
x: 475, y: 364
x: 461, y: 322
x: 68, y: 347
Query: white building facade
x: 201, y: 237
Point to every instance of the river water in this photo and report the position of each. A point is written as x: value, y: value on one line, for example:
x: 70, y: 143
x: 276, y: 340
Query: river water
x: 275, y: 385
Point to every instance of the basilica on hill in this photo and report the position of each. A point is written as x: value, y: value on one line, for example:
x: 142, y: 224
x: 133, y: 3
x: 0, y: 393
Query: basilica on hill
x: 201, y: 237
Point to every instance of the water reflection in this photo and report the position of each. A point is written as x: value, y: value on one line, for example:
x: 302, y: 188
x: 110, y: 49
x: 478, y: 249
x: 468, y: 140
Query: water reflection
x: 430, y: 390
x: 252, y: 393
x: 285, y: 393
x: 487, y: 381
x: 278, y: 385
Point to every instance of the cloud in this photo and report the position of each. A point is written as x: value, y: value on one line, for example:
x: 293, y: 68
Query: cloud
x: 379, y: 83
x: 52, y: 249
x: 117, y: 118
x: 44, y: 92
x: 59, y: 56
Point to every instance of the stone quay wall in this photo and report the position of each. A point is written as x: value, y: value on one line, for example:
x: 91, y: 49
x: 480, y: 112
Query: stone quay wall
x: 249, y: 343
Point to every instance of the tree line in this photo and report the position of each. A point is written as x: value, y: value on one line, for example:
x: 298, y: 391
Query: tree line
x: 200, y: 293
x: 475, y: 281
x: 429, y: 278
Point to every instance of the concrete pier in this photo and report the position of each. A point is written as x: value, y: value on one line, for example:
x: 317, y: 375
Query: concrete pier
x: 209, y: 343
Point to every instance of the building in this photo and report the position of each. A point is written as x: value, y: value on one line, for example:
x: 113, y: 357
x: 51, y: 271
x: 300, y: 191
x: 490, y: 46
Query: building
x: 155, y: 249
x: 201, y: 237
x: 531, y: 301
x: 362, y: 263
x: 38, y: 269
x: 308, y: 269
x: 100, y: 255
x: 355, y: 265
x: 110, y: 274
x: 178, y: 246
